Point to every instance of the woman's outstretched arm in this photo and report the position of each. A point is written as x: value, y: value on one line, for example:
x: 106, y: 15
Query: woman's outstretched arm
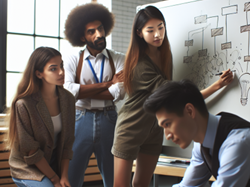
x: 225, y: 79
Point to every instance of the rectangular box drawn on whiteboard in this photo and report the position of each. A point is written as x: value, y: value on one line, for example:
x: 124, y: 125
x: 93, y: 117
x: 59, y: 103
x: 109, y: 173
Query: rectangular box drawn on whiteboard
x: 246, y: 58
x: 200, y: 19
x: 187, y: 59
x: 189, y: 42
x: 229, y: 10
x: 226, y: 46
x: 247, y: 7
x: 244, y: 28
x: 202, y: 53
x: 217, y: 32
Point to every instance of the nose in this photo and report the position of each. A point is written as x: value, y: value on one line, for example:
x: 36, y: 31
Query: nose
x: 157, y: 33
x: 98, y: 34
x: 168, y: 135
x: 61, y: 72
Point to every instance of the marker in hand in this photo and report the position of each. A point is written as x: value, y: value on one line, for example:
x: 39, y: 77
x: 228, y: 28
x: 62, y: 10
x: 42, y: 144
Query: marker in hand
x: 222, y: 73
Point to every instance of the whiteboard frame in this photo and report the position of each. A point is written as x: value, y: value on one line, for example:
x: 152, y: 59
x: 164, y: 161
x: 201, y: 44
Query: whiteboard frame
x: 168, y: 3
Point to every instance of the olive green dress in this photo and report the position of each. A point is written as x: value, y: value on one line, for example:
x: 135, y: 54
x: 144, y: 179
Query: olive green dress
x: 137, y: 131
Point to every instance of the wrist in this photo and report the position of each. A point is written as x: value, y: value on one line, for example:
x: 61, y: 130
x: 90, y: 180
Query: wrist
x: 217, y: 85
x: 109, y: 83
x: 64, y: 175
x: 53, y: 178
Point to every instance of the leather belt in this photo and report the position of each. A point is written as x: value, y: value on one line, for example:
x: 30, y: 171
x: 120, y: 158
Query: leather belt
x: 97, y: 110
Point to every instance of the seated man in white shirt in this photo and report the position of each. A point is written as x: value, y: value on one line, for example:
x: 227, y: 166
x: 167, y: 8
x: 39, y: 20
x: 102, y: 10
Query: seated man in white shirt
x: 95, y: 78
x: 222, y: 142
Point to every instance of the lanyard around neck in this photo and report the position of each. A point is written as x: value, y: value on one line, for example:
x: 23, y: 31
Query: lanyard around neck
x: 93, y: 71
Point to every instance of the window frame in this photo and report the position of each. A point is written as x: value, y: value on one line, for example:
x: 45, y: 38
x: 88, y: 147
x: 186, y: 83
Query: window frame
x: 3, y: 53
x: 3, y: 47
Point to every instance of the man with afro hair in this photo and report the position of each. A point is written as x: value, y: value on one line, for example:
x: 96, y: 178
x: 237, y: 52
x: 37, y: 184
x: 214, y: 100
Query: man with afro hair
x: 95, y: 78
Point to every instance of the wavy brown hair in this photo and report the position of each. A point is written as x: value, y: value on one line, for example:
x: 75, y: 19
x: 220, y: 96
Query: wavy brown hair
x: 80, y: 16
x: 28, y: 85
x: 138, y: 46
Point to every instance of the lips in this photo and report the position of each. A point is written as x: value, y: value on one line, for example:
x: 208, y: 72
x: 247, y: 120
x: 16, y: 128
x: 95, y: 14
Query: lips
x: 99, y: 41
x: 158, y: 40
x: 61, y: 79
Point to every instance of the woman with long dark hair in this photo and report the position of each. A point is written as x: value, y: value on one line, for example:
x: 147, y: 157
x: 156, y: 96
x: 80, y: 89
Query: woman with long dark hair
x: 148, y: 65
x: 41, y: 123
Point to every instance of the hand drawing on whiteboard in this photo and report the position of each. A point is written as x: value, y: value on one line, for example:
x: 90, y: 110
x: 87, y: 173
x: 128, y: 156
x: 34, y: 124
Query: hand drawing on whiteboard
x: 205, y: 65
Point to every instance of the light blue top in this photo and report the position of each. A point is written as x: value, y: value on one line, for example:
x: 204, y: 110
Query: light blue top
x: 234, y: 159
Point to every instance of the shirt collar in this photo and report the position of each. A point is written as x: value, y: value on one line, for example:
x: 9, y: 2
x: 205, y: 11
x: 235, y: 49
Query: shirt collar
x: 212, y: 124
x: 87, y: 53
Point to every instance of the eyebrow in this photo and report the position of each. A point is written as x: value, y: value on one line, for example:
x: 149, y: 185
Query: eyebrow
x: 90, y: 30
x: 100, y: 26
x: 153, y: 27
x: 162, y: 123
x: 52, y: 65
x: 94, y: 29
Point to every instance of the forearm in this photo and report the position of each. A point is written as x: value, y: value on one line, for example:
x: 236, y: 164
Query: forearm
x: 87, y: 91
x: 65, y: 167
x: 210, y: 90
x: 225, y: 79
x: 45, y: 168
x: 104, y: 95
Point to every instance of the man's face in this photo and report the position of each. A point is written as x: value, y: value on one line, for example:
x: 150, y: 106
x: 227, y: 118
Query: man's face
x: 94, y: 36
x: 181, y: 130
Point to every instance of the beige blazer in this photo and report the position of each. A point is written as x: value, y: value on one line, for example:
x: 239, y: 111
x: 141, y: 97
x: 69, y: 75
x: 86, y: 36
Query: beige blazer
x: 35, y: 131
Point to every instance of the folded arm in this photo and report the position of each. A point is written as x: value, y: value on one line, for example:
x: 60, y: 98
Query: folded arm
x: 90, y: 90
x: 103, y: 91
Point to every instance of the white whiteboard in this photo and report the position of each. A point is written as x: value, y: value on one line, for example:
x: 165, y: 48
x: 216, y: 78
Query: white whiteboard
x: 207, y: 37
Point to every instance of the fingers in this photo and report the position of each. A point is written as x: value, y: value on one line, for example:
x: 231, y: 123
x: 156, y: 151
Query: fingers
x: 65, y: 184
x: 120, y: 76
x: 120, y: 72
x: 227, y: 73
x: 227, y: 77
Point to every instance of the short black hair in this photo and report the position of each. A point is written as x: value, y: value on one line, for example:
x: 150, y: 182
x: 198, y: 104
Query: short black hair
x: 80, y: 16
x: 173, y: 96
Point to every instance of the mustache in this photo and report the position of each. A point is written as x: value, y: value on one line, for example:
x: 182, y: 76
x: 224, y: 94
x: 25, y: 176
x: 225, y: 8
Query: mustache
x: 99, y: 39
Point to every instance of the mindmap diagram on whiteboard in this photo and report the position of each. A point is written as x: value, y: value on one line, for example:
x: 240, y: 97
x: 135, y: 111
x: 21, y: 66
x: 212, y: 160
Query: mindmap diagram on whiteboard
x: 205, y: 63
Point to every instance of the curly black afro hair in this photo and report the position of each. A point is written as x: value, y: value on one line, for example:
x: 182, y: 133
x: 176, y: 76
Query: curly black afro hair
x: 82, y: 15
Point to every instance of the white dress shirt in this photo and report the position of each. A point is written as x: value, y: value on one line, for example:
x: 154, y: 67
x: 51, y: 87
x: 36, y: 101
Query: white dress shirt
x: 234, y: 159
x: 87, y: 77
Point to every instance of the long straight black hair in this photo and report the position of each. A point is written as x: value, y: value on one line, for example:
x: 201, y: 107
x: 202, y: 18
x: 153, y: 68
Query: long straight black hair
x: 138, y: 46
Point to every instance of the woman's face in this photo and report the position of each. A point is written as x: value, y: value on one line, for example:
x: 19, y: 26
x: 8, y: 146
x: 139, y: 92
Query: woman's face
x: 53, y: 72
x: 153, y: 32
